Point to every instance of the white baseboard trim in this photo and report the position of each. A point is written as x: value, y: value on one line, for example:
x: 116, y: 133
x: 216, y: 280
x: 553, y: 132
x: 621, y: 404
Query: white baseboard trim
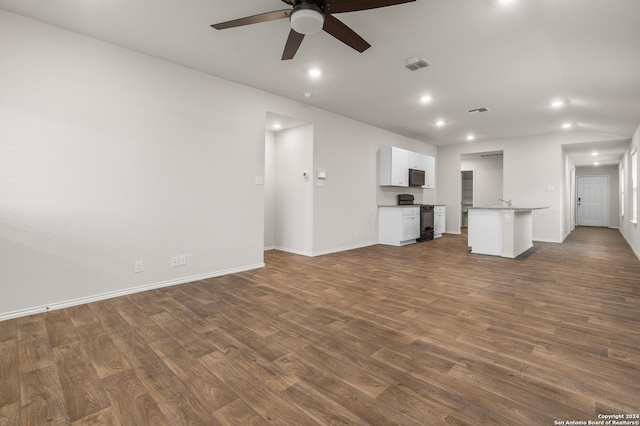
x: 323, y: 252
x: 633, y: 249
x: 548, y: 241
x: 345, y: 248
x: 293, y: 251
x: 110, y: 295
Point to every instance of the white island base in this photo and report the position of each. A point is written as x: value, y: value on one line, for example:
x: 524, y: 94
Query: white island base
x: 500, y: 231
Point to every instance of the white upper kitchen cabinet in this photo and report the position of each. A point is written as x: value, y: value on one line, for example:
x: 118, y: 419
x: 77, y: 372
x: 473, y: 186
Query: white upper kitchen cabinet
x: 417, y: 161
x: 393, y: 167
x: 395, y: 164
x: 430, y: 172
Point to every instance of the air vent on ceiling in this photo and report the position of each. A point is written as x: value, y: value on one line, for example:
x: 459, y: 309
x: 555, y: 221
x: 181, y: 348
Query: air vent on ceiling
x: 478, y: 110
x: 491, y: 154
x: 414, y: 64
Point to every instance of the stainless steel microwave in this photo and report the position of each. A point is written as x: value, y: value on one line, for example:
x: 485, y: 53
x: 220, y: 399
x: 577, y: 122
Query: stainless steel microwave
x: 416, y: 177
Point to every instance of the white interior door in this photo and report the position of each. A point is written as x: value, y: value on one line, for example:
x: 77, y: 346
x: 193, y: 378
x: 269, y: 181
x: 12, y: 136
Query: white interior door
x: 593, y: 200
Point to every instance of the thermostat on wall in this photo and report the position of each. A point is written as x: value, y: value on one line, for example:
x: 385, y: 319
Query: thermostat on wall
x: 322, y: 174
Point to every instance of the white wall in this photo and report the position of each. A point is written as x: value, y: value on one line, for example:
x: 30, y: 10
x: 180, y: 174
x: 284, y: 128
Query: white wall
x: 630, y: 230
x: 108, y: 156
x: 614, y: 188
x: 487, y: 178
x: 530, y: 165
x: 345, y: 211
x: 533, y: 176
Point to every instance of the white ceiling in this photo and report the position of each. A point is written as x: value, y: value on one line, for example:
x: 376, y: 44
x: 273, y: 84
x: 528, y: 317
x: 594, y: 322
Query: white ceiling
x: 512, y: 58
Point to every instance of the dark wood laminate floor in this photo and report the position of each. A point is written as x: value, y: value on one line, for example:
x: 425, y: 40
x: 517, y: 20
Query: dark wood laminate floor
x: 426, y: 334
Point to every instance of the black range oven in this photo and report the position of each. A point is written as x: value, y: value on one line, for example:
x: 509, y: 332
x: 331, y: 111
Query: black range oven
x: 426, y: 222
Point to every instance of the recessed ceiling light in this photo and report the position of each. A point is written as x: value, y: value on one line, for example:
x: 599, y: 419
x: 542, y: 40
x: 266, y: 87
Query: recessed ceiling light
x: 277, y: 126
x: 567, y: 125
x: 596, y: 164
x: 470, y: 137
x: 594, y: 153
x: 315, y: 72
x: 306, y: 94
x: 440, y: 123
x: 425, y: 99
x: 557, y: 104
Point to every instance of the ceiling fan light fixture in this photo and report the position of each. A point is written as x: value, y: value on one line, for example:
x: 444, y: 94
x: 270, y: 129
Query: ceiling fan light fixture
x: 306, y: 18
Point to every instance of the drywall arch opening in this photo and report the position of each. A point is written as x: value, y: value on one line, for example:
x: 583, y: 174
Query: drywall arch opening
x: 288, y: 184
x: 482, y: 180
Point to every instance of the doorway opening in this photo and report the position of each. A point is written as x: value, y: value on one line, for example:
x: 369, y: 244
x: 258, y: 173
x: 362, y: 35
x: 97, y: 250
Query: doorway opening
x: 466, y: 196
x: 481, y: 181
x: 288, y: 187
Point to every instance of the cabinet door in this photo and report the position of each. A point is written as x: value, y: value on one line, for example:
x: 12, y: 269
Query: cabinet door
x: 417, y: 161
x: 430, y: 172
x: 438, y: 223
x: 393, y: 169
x: 410, y: 227
x: 406, y: 227
x: 415, y: 227
x: 399, y: 169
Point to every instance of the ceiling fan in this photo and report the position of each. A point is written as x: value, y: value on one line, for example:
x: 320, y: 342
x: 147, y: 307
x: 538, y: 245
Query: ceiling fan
x: 310, y: 16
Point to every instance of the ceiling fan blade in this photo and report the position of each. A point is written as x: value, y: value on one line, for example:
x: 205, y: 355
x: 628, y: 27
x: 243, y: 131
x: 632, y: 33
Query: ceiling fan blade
x: 255, y: 19
x: 340, y: 6
x: 293, y: 43
x: 345, y: 34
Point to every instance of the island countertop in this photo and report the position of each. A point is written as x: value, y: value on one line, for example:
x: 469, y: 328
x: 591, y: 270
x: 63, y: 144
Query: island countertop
x: 522, y: 209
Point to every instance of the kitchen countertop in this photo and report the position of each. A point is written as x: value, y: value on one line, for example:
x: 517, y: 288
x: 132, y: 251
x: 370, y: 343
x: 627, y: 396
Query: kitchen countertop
x: 414, y: 205
x: 517, y: 209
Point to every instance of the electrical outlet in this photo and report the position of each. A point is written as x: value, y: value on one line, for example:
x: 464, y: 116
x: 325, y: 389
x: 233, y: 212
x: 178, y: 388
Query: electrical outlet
x: 138, y: 266
x: 182, y: 260
x: 174, y: 261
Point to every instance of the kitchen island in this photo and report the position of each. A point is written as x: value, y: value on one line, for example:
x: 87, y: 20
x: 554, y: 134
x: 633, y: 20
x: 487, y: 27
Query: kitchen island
x: 500, y: 231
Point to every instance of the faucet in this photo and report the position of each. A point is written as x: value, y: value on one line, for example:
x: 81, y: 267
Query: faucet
x: 505, y: 201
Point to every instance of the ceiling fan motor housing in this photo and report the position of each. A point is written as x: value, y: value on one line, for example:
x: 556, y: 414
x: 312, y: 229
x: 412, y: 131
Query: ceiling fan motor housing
x: 306, y: 18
